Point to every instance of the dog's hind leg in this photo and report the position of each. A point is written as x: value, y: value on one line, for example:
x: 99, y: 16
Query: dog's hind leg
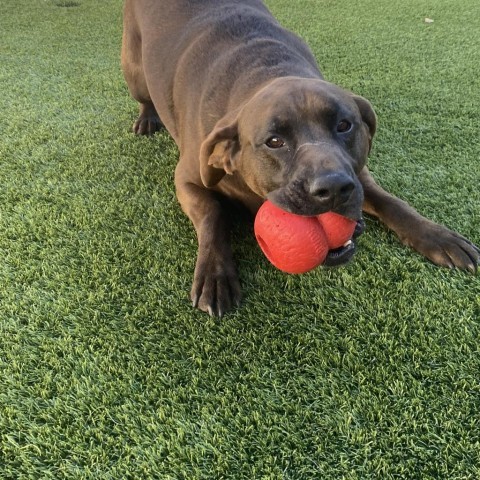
x: 148, y: 121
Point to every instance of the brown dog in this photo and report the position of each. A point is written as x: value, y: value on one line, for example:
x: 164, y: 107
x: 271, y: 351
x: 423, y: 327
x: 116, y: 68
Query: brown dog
x: 253, y: 119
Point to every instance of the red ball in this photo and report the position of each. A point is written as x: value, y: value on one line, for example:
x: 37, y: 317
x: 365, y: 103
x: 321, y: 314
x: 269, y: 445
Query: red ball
x: 292, y: 243
x: 338, y: 229
x: 297, y: 244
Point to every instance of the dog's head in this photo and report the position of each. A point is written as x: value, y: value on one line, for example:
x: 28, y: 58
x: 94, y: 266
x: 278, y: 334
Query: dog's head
x: 298, y: 142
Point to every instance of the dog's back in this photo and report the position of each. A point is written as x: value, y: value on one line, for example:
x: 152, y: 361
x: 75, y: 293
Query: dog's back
x: 185, y: 40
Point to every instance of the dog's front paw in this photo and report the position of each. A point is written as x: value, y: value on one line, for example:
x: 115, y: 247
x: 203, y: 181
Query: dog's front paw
x: 446, y: 248
x: 216, y: 288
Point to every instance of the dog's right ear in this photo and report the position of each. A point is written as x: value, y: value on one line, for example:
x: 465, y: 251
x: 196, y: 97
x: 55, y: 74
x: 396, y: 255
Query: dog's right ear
x: 220, y: 150
x: 368, y: 116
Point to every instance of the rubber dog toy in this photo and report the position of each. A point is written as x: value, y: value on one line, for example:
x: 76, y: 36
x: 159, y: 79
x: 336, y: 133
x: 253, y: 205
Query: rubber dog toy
x: 298, y: 244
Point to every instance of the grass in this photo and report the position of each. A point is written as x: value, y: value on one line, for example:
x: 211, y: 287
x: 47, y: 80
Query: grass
x: 106, y: 372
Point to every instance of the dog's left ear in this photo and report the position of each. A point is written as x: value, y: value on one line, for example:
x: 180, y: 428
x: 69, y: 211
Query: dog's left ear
x: 368, y: 116
x: 220, y: 150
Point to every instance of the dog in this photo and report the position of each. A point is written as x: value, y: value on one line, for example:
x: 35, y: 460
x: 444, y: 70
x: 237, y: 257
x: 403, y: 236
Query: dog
x: 254, y: 119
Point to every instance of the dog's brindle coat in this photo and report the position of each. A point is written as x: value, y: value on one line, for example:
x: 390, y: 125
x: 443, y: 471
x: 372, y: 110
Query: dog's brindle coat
x: 253, y: 118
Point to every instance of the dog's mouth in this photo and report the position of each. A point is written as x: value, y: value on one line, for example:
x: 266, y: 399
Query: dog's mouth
x: 297, y: 205
x: 294, y: 201
x: 342, y: 255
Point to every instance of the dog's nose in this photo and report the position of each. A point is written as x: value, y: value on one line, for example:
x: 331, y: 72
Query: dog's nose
x: 332, y: 188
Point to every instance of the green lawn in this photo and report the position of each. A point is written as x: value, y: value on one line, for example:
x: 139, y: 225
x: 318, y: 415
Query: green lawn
x: 371, y: 371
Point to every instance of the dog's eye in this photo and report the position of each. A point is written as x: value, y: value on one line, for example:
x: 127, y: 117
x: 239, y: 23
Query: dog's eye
x: 344, y: 126
x: 274, y: 142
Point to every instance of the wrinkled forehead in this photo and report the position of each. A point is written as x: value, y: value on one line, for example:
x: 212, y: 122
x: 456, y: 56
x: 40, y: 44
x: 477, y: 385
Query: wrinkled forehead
x: 294, y: 101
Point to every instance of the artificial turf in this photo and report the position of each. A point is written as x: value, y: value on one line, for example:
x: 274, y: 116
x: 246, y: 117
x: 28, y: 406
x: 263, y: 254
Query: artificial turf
x: 107, y: 372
